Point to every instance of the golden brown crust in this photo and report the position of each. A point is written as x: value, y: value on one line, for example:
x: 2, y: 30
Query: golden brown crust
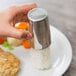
x: 1, y: 50
x: 9, y: 64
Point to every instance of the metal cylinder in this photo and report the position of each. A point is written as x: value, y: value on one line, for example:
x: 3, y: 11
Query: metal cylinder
x: 38, y: 18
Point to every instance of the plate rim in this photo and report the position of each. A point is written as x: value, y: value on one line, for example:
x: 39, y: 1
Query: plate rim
x: 70, y: 60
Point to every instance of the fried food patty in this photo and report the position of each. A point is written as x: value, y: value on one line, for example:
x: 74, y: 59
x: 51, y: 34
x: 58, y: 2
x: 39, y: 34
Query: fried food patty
x: 9, y: 64
x: 1, y: 50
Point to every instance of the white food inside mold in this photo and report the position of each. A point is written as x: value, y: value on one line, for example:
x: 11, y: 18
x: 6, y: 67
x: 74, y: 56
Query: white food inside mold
x: 41, y: 58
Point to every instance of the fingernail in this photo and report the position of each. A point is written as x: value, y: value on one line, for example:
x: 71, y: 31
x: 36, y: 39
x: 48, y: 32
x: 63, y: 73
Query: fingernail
x: 29, y: 36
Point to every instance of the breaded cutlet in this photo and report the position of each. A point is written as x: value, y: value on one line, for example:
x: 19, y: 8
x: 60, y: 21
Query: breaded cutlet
x: 9, y: 64
x: 1, y: 50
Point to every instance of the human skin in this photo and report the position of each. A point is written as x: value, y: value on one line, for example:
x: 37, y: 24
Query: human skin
x: 6, y: 21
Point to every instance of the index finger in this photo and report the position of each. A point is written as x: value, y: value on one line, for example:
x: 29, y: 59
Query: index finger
x: 24, y: 8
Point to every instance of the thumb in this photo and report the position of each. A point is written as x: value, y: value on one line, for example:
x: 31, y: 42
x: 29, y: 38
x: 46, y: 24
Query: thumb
x: 19, y: 33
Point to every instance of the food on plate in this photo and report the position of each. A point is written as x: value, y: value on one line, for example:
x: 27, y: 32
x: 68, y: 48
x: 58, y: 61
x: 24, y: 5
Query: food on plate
x: 1, y: 50
x: 14, y: 41
x: 1, y: 40
x: 7, y: 45
x: 41, y: 58
x: 22, y: 25
x: 26, y: 44
x: 10, y: 47
x: 9, y: 64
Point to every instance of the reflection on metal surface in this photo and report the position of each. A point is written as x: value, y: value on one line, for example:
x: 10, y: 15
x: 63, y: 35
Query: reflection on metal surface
x: 40, y: 28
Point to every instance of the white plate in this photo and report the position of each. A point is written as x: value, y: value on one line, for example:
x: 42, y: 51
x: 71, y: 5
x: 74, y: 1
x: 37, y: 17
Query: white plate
x: 61, y: 56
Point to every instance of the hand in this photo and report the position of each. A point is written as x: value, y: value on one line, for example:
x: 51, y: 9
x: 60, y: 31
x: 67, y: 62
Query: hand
x: 6, y: 20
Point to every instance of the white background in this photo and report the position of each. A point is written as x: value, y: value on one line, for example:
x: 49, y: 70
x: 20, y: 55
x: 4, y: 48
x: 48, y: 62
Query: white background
x: 5, y: 3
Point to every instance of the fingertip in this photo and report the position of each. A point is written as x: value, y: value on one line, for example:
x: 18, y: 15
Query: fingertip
x: 27, y: 6
x: 35, y: 5
x: 29, y: 36
x: 25, y: 35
